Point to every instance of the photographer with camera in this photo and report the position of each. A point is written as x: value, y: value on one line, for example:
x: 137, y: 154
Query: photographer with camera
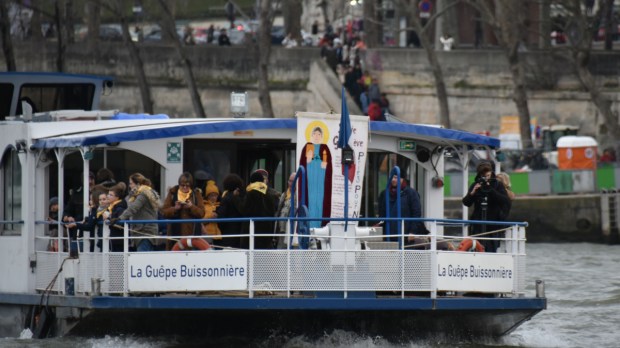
x: 490, y: 201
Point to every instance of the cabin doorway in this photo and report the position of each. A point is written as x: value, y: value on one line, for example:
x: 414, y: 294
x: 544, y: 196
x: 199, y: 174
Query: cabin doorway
x: 220, y: 158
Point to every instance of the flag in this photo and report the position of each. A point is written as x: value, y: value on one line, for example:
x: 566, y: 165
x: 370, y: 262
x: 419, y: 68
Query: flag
x: 344, y: 133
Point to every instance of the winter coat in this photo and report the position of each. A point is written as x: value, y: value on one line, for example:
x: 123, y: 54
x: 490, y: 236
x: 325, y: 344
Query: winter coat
x: 117, y: 231
x: 143, y: 205
x: 409, y: 207
x: 230, y: 208
x: 196, y: 211
x: 211, y: 228
x: 498, y: 206
x: 258, y: 203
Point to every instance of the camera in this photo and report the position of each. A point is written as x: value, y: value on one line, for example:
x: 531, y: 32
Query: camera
x: 485, y: 185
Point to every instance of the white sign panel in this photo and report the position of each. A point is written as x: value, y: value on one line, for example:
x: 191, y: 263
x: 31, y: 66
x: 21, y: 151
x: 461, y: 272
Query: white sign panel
x: 317, y: 152
x: 187, y: 271
x: 484, y: 272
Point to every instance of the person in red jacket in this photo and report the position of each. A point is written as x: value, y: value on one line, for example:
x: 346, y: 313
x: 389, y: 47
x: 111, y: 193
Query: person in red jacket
x: 374, y: 111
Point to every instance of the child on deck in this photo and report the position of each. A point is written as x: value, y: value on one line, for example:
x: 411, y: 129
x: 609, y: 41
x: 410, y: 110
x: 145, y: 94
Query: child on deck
x: 211, y: 229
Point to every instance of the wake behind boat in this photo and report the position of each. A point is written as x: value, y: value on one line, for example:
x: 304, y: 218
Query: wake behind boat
x: 338, y: 271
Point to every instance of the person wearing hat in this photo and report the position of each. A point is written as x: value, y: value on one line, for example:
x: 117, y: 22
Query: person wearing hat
x: 257, y: 203
x: 211, y: 203
x: 271, y: 192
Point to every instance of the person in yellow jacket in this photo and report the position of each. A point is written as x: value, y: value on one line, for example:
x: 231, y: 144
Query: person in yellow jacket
x: 211, y: 229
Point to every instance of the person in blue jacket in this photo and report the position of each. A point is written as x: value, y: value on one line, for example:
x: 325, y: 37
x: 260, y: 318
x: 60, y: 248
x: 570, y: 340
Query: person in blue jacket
x: 409, y: 207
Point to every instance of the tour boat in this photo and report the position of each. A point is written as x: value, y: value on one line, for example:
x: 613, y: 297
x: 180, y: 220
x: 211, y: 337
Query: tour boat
x: 342, y: 274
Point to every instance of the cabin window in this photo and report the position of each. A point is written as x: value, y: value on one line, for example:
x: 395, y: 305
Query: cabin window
x: 11, y: 196
x: 6, y: 96
x: 48, y: 97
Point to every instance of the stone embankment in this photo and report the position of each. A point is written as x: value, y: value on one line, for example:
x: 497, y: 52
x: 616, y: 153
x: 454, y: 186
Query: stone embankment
x: 478, y: 81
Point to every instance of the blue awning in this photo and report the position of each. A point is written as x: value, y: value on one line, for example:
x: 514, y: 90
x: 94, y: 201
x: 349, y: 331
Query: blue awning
x: 187, y: 127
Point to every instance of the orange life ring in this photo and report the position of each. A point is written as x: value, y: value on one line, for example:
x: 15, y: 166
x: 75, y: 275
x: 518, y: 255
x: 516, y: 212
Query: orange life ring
x: 191, y: 243
x: 471, y: 245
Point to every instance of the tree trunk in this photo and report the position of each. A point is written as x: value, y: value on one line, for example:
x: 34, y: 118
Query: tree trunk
x: 544, y: 41
x: 169, y: 26
x: 602, y: 103
x: 35, y: 23
x: 511, y: 36
x: 291, y: 11
x: 168, y: 36
x: 93, y: 19
x: 134, y: 54
x: 69, y: 22
x: 264, y: 52
x: 7, y: 43
x: 431, y: 55
x: 60, y: 36
x: 371, y: 25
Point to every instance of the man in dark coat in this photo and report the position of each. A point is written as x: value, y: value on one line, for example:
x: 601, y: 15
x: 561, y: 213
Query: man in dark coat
x: 490, y: 201
x: 410, y: 207
x: 258, y: 203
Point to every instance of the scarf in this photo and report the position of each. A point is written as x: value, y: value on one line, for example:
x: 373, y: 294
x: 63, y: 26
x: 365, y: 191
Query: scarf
x: 257, y: 186
x: 184, y: 197
x: 403, y: 184
x: 111, y: 206
x: 100, y: 211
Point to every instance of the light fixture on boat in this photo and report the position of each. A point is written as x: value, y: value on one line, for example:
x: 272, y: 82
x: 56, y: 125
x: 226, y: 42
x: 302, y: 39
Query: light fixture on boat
x: 107, y: 87
x: 423, y: 154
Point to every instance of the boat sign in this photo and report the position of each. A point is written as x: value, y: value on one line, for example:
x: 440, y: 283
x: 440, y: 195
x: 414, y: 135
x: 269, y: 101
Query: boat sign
x: 475, y: 272
x: 187, y: 271
x: 406, y: 145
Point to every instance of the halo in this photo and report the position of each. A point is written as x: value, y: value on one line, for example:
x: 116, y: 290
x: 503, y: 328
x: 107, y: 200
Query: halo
x: 313, y: 125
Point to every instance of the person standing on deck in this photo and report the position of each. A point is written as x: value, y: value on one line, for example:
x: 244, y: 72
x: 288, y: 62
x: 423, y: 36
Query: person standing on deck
x: 143, y: 204
x: 183, y: 202
x: 410, y: 207
x: 490, y: 200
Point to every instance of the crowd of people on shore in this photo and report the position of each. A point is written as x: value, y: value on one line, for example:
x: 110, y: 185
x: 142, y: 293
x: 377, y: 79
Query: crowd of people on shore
x: 344, y: 51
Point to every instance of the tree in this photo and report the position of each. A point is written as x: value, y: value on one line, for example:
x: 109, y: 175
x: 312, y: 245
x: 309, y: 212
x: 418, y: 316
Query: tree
x: 93, y: 20
x: 372, y: 23
x: 413, y: 16
x: 581, y: 32
x: 5, y: 32
x: 506, y: 19
x: 134, y: 53
x: 291, y: 11
x: 169, y: 27
x: 263, y: 48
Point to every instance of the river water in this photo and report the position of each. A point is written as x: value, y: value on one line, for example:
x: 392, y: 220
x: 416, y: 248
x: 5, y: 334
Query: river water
x: 582, y: 287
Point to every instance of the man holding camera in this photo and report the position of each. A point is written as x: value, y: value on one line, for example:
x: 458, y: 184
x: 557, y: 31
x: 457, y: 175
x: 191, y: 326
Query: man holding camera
x: 490, y: 201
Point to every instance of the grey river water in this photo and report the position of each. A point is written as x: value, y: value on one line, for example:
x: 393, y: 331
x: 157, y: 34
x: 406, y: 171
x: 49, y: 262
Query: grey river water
x: 582, y: 286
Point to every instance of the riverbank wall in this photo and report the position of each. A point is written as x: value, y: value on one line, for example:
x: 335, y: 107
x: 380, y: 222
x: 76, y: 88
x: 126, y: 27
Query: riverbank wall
x: 478, y: 81
x: 561, y: 218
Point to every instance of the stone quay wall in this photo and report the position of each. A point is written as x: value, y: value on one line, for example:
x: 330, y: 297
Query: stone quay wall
x: 479, y: 82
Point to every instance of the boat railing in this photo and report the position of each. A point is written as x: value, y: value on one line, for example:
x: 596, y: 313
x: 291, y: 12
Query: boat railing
x: 352, y: 263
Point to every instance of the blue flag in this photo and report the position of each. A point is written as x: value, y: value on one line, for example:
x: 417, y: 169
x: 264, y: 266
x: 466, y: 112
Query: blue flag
x: 344, y: 133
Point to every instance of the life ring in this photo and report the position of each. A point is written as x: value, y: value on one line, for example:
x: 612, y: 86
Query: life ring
x: 471, y: 245
x: 191, y: 243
